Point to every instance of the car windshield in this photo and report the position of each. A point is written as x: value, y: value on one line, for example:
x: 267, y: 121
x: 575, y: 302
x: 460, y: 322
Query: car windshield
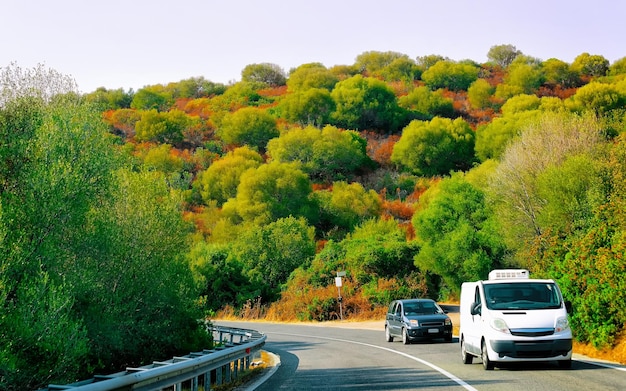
x: 522, y: 296
x: 421, y: 308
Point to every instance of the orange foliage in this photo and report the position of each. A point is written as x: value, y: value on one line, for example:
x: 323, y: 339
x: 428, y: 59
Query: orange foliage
x: 557, y: 91
x: 399, y: 88
x: 273, y: 91
x: 380, y: 147
x: 302, y: 302
x: 398, y: 209
x: 322, y: 186
x: 200, y: 107
x: 181, y: 103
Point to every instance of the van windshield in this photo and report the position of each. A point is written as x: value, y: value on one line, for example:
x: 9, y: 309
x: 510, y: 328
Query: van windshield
x: 522, y: 296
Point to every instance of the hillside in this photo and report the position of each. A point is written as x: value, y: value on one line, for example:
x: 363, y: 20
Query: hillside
x: 194, y: 198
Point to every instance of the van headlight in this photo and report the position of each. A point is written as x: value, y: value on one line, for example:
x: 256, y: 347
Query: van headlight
x: 500, y: 325
x: 413, y: 323
x: 447, y: 322
x: 561, y: 324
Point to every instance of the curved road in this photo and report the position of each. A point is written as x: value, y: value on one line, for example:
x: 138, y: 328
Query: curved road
x: 341, y: 358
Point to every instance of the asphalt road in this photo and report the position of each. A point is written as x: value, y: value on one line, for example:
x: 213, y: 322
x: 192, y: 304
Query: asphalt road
x: 314, y: 358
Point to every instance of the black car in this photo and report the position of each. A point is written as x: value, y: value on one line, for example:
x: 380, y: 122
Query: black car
x: 417, y: 319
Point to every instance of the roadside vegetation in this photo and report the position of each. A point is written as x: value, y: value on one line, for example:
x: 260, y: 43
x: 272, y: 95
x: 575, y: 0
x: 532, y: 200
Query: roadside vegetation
x: 127, y: 216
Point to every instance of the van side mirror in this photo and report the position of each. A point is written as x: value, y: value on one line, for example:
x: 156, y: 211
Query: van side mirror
x: 475, y: 309
x: 568, y: 306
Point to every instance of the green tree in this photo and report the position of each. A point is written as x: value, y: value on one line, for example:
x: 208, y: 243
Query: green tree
x: 520, y: 103
x: 426, y: 104
x: 326, y: 154
x: 219, y: 182
x: 459, y: 240
x: 479, y: 94
x: 154, y: 97
x: 589, y: 263
x: 436, y: 147
x: 425, y: 62
x: 366, y: 103
x: 347, y: 205
x: 451, y: 75
x: 195, y: 87
x: 522, y: 78
x: 543, y: 143
x: 311, y: 75
x: 110, y: 99
x: 248, y: 126
x: 401, y: 69
x: 166, y: 127
x: 312, y: 106
x: 132, y: 270
x: 558, y: 72
x: 493, y: 138
x: 271, y: 252
x: 570, y: 192
x: 503, y: 55
x: 599, y: 98
x: 590, y: 65
x: 373, y: 62
x: 160, y: 158
x: 270, y: 192
x: 270, y: 74
x: 618, y: 67
x: 221, y: 278
x: 54, y: 162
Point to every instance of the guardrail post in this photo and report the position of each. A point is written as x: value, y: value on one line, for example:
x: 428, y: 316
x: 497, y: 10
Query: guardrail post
x: 235, y: 369
x: 218, y: 376
x: 227, y: 375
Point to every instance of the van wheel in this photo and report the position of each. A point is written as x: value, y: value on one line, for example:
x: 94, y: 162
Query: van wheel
x: 405, y: 336
x: 388, y: 336
x: 465, y: 356
x: 488, y: 365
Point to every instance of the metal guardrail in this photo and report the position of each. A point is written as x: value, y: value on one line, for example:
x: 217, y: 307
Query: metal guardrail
x: 201, y: 369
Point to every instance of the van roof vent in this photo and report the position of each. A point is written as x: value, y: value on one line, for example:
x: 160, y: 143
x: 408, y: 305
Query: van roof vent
x: 507, y: 274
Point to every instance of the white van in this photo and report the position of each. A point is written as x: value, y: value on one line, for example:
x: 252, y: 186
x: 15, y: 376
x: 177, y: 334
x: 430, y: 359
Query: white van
x: 511, y: 318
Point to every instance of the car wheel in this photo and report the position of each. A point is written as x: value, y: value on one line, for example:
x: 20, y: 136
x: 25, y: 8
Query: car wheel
x: 388, y: 336
x: 565, y: 364
x: 488, y: 365
x: 465, y: 356
x: 405, y: 336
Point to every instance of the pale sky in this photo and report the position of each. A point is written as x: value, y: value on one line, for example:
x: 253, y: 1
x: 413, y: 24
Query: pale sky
x: 133, y: 43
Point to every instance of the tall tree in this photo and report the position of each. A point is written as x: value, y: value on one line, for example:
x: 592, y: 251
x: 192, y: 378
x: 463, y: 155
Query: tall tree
x: 503, y: 55
x: 544, y: 143
x: 55, y: 158
x: 451, y: 75
x: 436, y: 147
x: 459, y: 239
x: 219, y: 182
x: 269, y: 74
x: 311, y: 75
x: 327, y: 154
x: 366, y: 104
x: 271, y: 252
x: 270, y: 192
x: 248, y: 126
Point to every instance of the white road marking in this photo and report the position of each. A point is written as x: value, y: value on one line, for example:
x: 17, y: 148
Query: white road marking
x: 424, y: 362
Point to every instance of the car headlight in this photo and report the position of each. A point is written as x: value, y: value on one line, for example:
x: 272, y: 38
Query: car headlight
x: 413, y: 323
x: 561, y: 324
x: 447, y: 322
x: 500, y: 325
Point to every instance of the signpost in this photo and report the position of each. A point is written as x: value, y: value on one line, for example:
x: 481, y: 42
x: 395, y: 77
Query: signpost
x: 340, y: 299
